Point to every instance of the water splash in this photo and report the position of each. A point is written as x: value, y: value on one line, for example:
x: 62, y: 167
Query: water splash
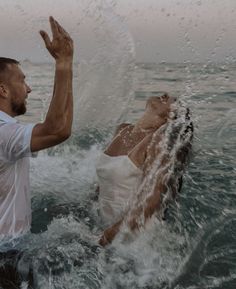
x: 106, y: 82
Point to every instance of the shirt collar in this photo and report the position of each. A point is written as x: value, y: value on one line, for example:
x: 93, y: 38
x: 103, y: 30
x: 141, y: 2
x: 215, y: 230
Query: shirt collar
x: 6, y: 118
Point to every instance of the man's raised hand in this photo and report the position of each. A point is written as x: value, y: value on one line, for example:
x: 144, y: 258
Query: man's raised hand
x: 61, y: 45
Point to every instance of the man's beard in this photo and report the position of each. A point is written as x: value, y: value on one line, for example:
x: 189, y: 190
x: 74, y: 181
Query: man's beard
x: 18, y: 109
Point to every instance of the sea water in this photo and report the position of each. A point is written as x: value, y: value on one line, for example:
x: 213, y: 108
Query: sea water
x: 195, y: 246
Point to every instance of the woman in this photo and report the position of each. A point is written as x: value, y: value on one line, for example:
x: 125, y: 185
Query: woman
x: 141, y: 170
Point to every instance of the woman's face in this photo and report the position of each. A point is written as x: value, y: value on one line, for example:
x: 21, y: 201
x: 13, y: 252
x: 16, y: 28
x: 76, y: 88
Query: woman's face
x: 160, y: 106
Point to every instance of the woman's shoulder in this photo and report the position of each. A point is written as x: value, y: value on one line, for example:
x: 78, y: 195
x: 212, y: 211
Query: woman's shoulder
x: 122, y: 126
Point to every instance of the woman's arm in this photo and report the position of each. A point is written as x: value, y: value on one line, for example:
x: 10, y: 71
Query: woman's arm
x: 134, y: 219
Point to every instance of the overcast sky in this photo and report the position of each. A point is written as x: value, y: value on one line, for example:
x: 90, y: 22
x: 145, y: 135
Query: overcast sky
x: 162, y: 30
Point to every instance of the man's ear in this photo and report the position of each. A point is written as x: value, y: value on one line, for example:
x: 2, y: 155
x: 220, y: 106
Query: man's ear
x: 3, y: 91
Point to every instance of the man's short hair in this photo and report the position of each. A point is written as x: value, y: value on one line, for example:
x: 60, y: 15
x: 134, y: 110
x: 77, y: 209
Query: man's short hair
x: 5, y: 61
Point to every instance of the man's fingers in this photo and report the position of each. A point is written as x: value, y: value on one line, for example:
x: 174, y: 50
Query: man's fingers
x: 45, y: 38
x: 60, y: 45
x: 62, y: 30
x: 54, y: 27
x: 59, y: 27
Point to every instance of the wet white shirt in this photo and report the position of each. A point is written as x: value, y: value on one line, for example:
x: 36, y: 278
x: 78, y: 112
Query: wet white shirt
x: 15, y: 204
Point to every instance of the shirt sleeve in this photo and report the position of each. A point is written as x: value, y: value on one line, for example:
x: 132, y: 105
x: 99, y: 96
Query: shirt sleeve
x: 17, y: 140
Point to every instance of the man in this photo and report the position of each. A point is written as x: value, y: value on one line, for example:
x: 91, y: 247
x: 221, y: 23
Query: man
x: 18, y: 142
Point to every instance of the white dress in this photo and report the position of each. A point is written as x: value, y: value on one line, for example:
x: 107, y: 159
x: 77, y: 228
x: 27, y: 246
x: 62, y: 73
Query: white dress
x: 119, y: 179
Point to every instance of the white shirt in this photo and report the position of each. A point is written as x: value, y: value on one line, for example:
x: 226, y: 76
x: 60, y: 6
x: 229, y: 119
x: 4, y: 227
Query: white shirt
x: 15, y: 203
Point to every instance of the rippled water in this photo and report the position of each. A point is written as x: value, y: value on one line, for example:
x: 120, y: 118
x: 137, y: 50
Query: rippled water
x: 194, y: 248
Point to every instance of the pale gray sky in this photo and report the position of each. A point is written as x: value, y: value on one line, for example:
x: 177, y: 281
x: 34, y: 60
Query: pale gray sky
x: 162, y: 30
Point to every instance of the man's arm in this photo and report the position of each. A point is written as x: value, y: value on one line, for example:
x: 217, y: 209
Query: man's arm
x: 57, y: 125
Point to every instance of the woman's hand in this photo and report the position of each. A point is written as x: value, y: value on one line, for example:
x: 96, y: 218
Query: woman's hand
x: 110, y: 233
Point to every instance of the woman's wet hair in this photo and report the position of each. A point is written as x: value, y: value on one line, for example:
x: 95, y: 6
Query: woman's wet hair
x: 171, y: 154
x: 180, y: 145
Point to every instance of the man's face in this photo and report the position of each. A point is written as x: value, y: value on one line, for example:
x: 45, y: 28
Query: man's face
x: 18, y: 89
